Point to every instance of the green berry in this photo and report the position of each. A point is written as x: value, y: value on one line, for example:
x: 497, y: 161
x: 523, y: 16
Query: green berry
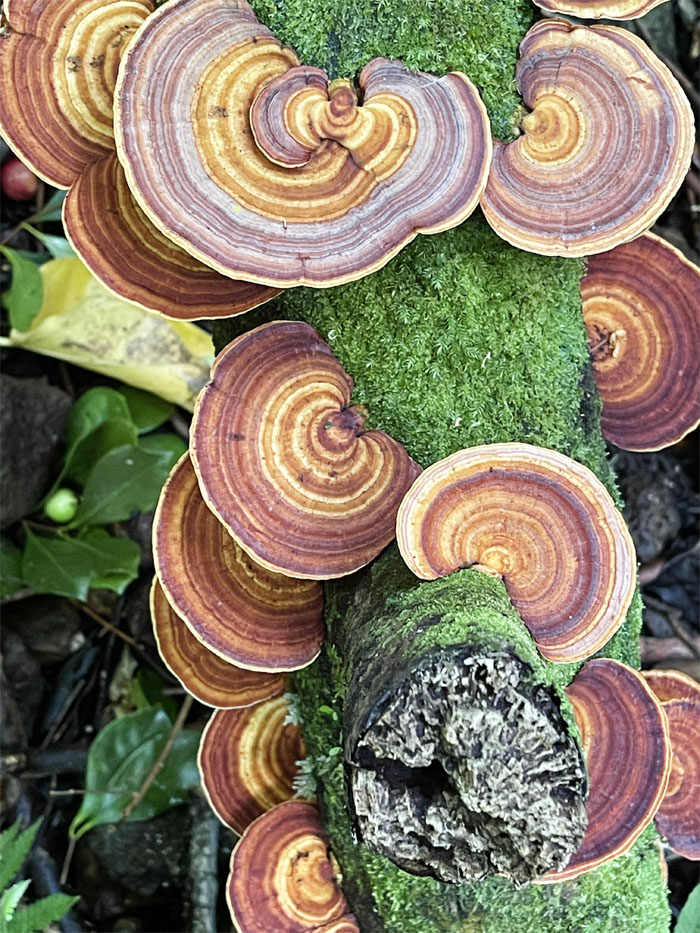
x: 62, y: 506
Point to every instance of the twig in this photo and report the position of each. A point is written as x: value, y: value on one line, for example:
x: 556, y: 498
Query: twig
x: 160, y: 760
x: 83, y: 607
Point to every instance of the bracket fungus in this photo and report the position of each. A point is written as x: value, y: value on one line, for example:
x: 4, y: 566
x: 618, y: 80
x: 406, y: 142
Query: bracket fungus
x: 628, y: 758
x: 285, y: 464
x: 241, y: 611
x: 248, y: 760
x: 58, y: 65
x: 641, y: 306
x: 283, y: 877
x: 678, y: 817
x: 205, y: 675
x: 129, y: 255
x: 542, y: 522
x: 600, y: 9
x: 605, y: 146
x: 322, y: 189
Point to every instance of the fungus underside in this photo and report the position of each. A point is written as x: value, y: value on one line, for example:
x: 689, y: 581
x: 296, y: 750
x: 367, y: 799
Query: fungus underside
x: 460, y: 340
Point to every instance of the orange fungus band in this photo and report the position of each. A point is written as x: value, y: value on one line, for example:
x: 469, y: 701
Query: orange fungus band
x: 209, y: 678
x: 628, y: 758
x: 248, y: 761
x: 282, y: 877
x: 542, y: 522
x: 286, y: 464
x: 265, y: 171
x: 602, y: 151
x: 247, y: 615
x: 641, y: 306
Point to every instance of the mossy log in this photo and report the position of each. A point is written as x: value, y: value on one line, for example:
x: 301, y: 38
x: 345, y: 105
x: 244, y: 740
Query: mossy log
x: 460, y: 340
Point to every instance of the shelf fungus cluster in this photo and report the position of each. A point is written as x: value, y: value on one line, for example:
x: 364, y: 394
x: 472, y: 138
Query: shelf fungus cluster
x: 539, y: 520
x: 604, y: 147
x: 678, y: 817
x: 640, y: 306
x: 58, y: 69
x: 266, y: 171
x: 284, y: 462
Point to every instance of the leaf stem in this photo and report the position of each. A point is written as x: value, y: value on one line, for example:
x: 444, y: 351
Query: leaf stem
x: 160, y: 760
x: 83, y: 607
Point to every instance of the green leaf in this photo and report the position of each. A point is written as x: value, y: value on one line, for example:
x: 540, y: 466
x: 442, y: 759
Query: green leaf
x: 14, y: 848
x: 124, y: 481
x: 41, y: 914
x: 146, y: 689
x: 689, y: 918
x: 147, y: 411
x: 38, y: 258
x: 10, y: 568
x: 71, y: 566
x: 9, y: 901
x: 58, y: 246
x: 52, y: 210
x: 24, y: 296
x: 172, y: 444
x: 119, y: 760
x: 98, y: 422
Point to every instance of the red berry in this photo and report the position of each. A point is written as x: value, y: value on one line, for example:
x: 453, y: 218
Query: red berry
x: 17, y: 181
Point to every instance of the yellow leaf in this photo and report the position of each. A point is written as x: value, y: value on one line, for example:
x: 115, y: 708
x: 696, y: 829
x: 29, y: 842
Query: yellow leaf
x: 81, y: 322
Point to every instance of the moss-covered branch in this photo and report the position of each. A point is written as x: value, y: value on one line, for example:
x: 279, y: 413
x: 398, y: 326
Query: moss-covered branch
x: 460, y: 340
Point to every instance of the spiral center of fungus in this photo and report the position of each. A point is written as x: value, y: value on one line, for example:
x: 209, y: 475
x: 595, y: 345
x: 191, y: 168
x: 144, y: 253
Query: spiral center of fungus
x: 554, y: 130
x: 469, y: 770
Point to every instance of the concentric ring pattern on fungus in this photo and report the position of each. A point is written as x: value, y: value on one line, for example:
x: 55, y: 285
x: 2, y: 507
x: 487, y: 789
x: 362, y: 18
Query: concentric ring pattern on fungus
x: 129, y: 255
x: 542, y: 522
x: 282, y: 877
x: 605, y: 146
x: 285, y: 463
x: 600, y: 9
x: 672, y: 685
x: 641, y: 306
x: 321, y: 190
x: 628, y: 758
x: 209, y: 678
x: 242, y: 612
x: 248, y: 761
x: 58, y: 70
x: 678, y: 818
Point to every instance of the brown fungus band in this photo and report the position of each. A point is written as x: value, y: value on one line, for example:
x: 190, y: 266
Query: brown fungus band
x: 242, y: 612
x: 129, y: 255
x: 628, y: 758
x: 641, y: 306
x: 266, y: 172
x: 605, y: 146
x: 58, y: 66
x: 539, y: 520
x: 282, y: 876
x: 205, y: 675
x: 248, y: 760
x: 285, y: 463
x: 678, y: 818
x: 600, y: 9
x: 58, y: 69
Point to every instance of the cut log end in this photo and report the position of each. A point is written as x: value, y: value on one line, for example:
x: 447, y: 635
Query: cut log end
x: 468, y: 770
